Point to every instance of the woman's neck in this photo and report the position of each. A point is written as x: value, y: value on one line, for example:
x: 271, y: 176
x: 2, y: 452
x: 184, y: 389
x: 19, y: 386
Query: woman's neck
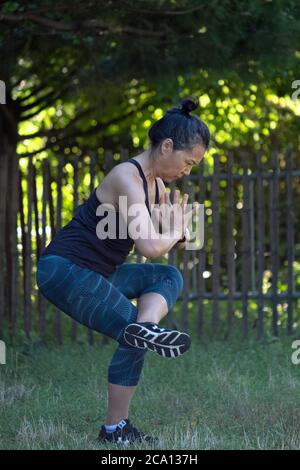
x: 146, y: 163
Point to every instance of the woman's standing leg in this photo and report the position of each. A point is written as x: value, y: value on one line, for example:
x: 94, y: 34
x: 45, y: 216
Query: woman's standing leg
x: 100, y: 304
x: 156, y: 287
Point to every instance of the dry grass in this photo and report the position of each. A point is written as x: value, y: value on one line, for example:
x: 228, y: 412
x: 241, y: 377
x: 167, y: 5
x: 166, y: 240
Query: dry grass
x: 237, y: 395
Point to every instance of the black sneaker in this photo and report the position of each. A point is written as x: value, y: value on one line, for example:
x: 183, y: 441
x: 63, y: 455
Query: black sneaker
x: 167, y: 343
x: 126, y: 435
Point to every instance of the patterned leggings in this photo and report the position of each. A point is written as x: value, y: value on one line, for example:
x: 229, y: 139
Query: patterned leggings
x: 103, y: 304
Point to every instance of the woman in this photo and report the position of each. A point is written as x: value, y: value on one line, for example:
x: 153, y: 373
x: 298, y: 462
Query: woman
x: 84, y: 273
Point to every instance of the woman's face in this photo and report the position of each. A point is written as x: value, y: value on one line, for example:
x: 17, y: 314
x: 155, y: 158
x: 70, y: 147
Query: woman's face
x: 177, y: 163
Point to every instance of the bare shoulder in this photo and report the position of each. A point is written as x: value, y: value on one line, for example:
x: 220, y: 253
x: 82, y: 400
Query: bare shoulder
x: 124, y: 166
x: 124, y: 174
x: 120, y: 178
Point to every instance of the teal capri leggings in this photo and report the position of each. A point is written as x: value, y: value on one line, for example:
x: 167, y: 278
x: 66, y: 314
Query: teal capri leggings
x: 103, y: 304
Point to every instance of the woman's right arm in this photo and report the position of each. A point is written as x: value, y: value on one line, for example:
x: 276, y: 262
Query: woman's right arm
x: 149, y: 243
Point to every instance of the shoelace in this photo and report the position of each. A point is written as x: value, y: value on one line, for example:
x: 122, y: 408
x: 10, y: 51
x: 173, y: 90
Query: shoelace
x: 133, y: 430
x: 157, y: 328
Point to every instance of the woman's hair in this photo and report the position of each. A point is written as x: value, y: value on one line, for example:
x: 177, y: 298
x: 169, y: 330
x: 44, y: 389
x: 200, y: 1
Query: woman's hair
x: 178, y: 124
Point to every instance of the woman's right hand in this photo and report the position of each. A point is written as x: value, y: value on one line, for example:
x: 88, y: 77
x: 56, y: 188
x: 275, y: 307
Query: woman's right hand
x: 182, y: 216
x: 174, y: 218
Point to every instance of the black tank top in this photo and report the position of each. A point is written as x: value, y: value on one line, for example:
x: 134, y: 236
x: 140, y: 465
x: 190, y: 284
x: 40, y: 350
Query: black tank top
x: 78, y: 241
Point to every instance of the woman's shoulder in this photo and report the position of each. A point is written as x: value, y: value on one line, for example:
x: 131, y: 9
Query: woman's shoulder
x: 124, y: 174
x: 125, y: 166
x: 124, y: 171
x: 127, y: 173
x: 108, y: 189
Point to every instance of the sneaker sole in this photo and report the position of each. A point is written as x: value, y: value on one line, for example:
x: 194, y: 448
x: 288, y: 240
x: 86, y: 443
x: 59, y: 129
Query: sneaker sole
x: 167, y: 344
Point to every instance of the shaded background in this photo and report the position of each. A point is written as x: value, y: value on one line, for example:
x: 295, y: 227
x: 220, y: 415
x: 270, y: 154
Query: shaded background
x: 85, y: 81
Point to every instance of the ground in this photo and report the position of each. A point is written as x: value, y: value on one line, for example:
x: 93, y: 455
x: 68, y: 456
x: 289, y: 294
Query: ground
x: 220, y: 395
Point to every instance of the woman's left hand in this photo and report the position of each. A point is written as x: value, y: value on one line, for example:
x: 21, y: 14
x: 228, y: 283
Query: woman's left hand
x: 182, y: 245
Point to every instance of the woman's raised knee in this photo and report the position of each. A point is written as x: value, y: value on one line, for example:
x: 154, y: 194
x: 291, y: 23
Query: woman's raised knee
x: 173, y: 276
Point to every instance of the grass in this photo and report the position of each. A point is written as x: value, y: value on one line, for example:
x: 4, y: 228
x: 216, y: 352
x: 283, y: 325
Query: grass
x: 220, y: 395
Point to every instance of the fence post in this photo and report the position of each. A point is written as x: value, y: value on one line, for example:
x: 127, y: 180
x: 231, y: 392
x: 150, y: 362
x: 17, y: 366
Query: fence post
x: 75, y: 205
x: 274, y: 183
x: 215, y: 245
x: 3, y: 184
x: 42, y: 303
x: 92, y: 170
x: 260, y: 246
x: 12, y: 246
x: 59, y: 178
x: 27, y: 257
x: 290, y: 241
x: 245, y: 247
x: 230, y: 244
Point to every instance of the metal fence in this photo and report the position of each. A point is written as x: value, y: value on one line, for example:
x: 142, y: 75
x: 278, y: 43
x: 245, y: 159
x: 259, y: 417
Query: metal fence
x: 244, y: 279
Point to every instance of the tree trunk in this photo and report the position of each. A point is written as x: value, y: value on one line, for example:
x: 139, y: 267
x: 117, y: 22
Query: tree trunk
x: 9, y: 114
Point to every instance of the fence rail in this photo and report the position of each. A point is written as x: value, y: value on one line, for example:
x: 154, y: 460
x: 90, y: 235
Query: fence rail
x: 248, y: 255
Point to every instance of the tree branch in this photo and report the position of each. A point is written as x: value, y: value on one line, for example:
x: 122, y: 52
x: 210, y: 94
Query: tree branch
x: 164, y: 12
x: 87, y: 133
x: 55, y: 132
x: 45, y: 105
x: 33, y: 92
x: 38, y: 101
x: 48, y: 23
x: 35, y: 113
x: 91, y: 24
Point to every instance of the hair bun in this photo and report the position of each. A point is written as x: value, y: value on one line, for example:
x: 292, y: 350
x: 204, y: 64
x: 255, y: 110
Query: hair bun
x: 189, y: 104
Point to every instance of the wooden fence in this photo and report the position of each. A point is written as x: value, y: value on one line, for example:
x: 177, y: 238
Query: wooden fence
x: 244, y: 278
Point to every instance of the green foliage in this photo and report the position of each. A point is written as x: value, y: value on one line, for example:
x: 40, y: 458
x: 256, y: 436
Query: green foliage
x: 87, y: 74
